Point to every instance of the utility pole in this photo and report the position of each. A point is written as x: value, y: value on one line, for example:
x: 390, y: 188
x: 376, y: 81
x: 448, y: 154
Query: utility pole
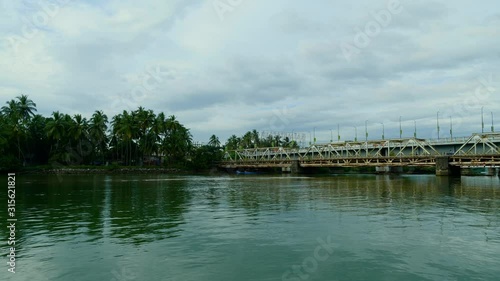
x: 400, y: 129
x: 437, y: 119
x: 451, y: 128
x: 482, y: 120
x: 492, y: 125
x: 366, y: 130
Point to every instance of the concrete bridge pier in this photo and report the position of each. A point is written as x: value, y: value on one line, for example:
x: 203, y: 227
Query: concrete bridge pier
x: 443, y: 167
x: 295, y: 167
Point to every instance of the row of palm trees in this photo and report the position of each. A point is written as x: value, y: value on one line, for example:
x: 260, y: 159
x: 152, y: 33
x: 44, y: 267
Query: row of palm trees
x: 252, y: 139
x: 141, y: 133
x: 128, y: 138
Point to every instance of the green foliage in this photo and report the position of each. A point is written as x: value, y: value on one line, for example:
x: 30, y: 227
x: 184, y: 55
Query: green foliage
x: 205, y: 157
x: 138, y: 137
x: 9, y: 163
x: 251, y: 139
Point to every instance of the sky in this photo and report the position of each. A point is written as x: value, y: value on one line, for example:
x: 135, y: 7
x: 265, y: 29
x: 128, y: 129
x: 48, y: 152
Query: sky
x: 225, y: 67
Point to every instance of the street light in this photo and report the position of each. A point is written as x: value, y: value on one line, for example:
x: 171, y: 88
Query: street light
x: 338, y: 132
x: 366, y: 130
x: 415, y: 131
x: 331, y: 135
x: 356, y: 133
x: 400, y: 129
x: 314, y: 134
x: 492, y: 125
x: 482, y: 120
x: 437, y: 119
x: 451, y: 128
x: 383, y: 131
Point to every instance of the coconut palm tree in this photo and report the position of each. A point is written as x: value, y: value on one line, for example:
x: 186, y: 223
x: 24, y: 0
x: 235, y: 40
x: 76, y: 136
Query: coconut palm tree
x: 178, y: 140
x: 4, y: 134
x: 255, y: 138
x: 17, y: 114
x: 126, y: 128
x: 214, y: 141
x: 247, y: 140
x: 146, y: 140
x: 78, y: 131
x: 97, y: 132
x: 232, y: 142
x: 27, y: 107
x: 12, y: 114
x: 55, y: 128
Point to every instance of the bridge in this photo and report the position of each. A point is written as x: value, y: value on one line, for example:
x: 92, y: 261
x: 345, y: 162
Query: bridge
x: 448, y: 156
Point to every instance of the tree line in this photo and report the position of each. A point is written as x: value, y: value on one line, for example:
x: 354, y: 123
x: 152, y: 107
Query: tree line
x: 132, y: 138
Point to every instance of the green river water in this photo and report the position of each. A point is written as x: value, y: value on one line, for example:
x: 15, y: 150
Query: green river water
x: 254, y: 227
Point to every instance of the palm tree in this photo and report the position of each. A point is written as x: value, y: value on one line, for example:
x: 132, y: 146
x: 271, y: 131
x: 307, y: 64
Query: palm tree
x: 26, y: 107
x: 277, y: 141
x: 178, y: 140
x: 56, y: 127
x: 97, y: 131
x: 214, y: 141
x: 37, y: 141
x: 126, y: 128
x: 78, y: 131
x: 233, y: 142
x: 4, y: 134
x: 146, y: 139
x: 11, y: 110
x: 18, y: 114
x: 157, y: 133
x: 12, y: 115
x: 255, y: 138
x: 247, y: 140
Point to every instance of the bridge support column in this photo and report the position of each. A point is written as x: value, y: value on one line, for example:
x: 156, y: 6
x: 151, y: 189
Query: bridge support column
x: 295, y: 167
x: 443, y: 167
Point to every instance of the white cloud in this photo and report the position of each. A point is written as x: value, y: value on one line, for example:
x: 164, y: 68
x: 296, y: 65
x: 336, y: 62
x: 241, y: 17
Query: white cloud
x: 233, y: 75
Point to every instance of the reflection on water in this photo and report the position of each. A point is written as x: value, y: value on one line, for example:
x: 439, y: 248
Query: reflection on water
x: 385, y: 227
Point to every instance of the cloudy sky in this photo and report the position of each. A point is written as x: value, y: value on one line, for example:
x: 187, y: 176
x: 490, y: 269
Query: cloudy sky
x: 228, y: 66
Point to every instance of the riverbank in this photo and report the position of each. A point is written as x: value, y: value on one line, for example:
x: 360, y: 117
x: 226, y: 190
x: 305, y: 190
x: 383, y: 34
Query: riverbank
x: 88, y: 170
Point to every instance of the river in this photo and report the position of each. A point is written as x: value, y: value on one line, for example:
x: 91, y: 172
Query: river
x: 255, y: 227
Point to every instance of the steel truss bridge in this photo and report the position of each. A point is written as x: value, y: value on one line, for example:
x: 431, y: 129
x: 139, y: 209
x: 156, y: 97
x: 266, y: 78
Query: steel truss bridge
x: 478, y: 150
